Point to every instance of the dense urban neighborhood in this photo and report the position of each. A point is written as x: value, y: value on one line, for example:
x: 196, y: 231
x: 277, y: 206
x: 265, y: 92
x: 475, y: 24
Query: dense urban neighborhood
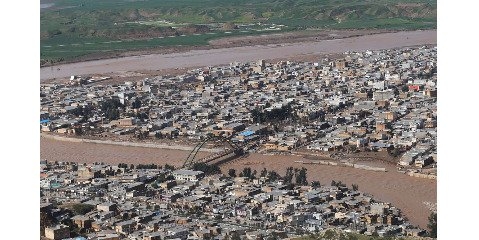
x: 360, y: 102
x: 367, y: 101
x: 102, y: 201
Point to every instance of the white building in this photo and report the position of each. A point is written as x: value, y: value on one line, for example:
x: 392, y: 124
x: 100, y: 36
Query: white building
x: 188, y: 175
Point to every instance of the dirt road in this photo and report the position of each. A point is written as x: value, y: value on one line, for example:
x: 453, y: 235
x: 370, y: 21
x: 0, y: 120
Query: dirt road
x: 407, y: 193
x: 199, y: 58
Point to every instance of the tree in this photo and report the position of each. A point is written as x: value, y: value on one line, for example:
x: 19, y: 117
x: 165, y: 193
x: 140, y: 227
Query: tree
x: 46, y: 220
x: 394, y: 152
x: 232, y: 172
x: 136, y: 104
x: 301, y: 178
x: 257, y: 115
x: 169, y: 167
x: 273, y: 176
x: 263, y: 173
x: 333, y: 183
x: 432, y: 225
x: 288, y: 177
x: 247, y: 172
x: 113, y: 114
x: 355, y: 187
x: 207, y: 169
x: 315, y: 184
x: 81, y: 209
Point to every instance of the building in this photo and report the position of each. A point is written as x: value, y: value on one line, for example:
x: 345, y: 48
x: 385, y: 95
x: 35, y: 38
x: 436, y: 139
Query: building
x: 57, y: 232
x: 188, y: 175
x: 106, y: 207
x: 125, y: 227
x: 82, y: 221
x: 383, y: 95
x: 88, y: 172
x: 125, y: 122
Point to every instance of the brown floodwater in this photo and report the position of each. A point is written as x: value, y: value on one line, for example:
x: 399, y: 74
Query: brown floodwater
x: 211, y: 57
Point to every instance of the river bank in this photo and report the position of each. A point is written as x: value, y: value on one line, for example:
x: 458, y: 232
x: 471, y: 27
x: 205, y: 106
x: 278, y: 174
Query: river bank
x: 211, y: 57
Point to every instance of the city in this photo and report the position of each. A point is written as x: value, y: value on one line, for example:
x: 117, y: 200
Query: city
x: 332, y: 112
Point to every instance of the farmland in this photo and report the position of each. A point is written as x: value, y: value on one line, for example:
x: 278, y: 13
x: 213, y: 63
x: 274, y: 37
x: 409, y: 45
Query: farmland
x: 75, y: 28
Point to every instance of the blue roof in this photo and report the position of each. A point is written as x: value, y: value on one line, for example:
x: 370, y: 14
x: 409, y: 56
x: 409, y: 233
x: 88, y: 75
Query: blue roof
x: 44, y: 121
x: 246, y: 133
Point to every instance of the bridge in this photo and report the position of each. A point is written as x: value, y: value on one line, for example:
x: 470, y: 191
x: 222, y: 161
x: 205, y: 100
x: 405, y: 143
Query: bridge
x: 233, y: 152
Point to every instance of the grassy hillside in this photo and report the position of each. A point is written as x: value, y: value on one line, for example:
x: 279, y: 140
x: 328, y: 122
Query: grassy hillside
x: 140, y: 24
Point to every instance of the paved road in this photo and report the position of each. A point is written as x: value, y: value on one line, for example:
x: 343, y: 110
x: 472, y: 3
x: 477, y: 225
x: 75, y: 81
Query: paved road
x: 198, y: 58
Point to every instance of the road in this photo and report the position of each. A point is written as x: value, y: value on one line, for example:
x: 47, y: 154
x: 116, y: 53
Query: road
x: 199, y: 58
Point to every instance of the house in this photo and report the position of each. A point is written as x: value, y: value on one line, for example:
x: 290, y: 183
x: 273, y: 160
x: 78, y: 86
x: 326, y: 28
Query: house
x: 423, y: 161
x: 188, y: 175
x: 153, y: 236
x: 168, y: 184
x: 414, y: 88
x: 383, y: 95
x: 170, y: 198
x: 409, y: 157
x: 106, y: 207
x: 177, y: 232
x: 378, y: 208
x: 82, y: 221
x: 88, y: 173
x: 380, y: 146
x: 430, y: 92
x: 170, y: 132
x: 125, y: 122
x: 57, y: 232
x: 125, y: 227
x: 415, y: 232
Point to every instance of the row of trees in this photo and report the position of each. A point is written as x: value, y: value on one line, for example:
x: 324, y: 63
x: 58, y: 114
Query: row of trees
x: 299, y: 175
x: 292, y: 176
x: 207, y: 169
x: 147, y: 166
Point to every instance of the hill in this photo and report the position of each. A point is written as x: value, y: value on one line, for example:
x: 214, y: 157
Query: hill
x: 73, y: 28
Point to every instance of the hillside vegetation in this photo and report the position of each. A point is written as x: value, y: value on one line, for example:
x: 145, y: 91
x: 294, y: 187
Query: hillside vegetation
x: 137, y: 24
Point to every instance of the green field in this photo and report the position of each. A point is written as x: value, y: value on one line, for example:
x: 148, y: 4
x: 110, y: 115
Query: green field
x: 122, y: 25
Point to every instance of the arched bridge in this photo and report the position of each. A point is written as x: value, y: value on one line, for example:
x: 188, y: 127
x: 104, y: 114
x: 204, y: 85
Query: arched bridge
x: 234, y: 150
